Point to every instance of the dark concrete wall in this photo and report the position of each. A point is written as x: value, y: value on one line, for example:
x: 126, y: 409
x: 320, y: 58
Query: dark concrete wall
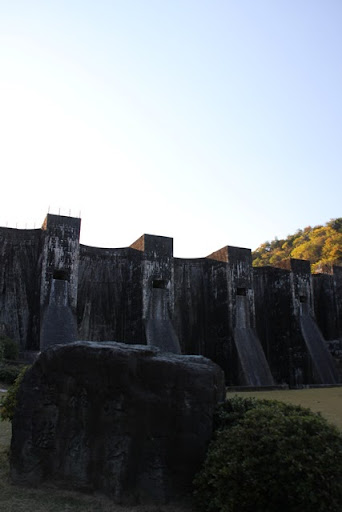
x: 201, y: 315
x: 60, y: 255
x: 20, y: 276
x: 53, y: 289
x: 109, y: 303
x: 219, y: 344
x: 338, y: 294
x: 58, y: 325
x: 215, y: 315
x: 59, y: 280
x: 278, y: 326
x: 190, y: 299
x: 286, y: 324
x: 328, y: 303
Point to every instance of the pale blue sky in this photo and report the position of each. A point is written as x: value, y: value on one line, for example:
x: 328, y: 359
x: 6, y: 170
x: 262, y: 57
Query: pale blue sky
x: 213, y: 122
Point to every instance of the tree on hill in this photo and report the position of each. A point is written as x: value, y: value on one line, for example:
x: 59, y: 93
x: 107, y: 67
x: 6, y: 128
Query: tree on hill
x: 321, y: 245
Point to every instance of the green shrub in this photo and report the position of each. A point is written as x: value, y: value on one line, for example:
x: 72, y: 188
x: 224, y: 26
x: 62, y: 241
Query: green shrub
x: 8, y: 349
x: 9, y: 402
x: 232, y: 411
x: 269, y: 456
x: 9, y: 372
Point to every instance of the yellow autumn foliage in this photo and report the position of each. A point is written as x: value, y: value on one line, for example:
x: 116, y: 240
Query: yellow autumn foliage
x: 321, y: 245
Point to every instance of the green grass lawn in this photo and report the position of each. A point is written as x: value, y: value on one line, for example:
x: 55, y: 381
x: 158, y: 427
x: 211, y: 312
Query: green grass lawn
x: 327, y: 401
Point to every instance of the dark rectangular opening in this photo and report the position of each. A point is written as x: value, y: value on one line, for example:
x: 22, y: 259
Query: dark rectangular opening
x: 60, y: 274
x: 241, y: 291
x: 159, y: 283
x: 303, y: 298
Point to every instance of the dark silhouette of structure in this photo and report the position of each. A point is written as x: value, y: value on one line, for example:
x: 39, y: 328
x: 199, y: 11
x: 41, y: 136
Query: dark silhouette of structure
x: 263, y: 326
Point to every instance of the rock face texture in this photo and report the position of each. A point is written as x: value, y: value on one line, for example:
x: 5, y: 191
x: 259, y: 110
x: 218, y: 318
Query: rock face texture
x: 126, y: 420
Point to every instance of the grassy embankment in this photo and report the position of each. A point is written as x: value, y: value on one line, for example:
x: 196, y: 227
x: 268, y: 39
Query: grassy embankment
x: 328, y: 401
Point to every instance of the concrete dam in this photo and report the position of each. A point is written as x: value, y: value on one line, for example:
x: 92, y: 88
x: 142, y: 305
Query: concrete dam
x: 264, y: 326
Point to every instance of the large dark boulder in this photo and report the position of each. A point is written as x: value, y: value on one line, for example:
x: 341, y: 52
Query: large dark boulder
x: 126, y: 420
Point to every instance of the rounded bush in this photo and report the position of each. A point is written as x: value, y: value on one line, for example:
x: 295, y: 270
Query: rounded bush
x: 271, y: 457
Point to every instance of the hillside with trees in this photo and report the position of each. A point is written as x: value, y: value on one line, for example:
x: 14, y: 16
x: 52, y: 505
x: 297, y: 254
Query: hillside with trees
x: 321, y: 245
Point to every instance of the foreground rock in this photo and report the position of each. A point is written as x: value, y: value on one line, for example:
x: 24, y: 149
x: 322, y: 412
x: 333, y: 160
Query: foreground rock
x: 126, y: 420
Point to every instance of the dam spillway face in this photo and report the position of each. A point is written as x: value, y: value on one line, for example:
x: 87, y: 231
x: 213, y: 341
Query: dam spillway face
x: 263, y: 326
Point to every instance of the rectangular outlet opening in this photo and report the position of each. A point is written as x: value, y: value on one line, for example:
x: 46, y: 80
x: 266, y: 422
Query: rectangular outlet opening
x: 61, y: 274
x: 159, y: 283
x: 241, y: 291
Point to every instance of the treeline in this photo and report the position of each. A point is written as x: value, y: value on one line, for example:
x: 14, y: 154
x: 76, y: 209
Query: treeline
x: 321, y: 245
